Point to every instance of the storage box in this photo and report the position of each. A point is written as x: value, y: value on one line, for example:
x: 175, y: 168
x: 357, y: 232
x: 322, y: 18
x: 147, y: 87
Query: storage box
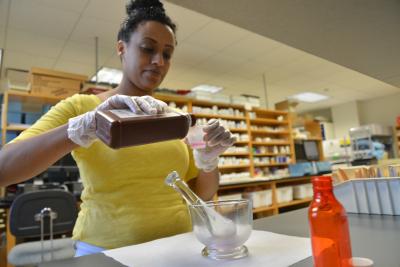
x: 370, y: 195
x: 230, y: 197
x: 302, y: 191
x: 259, y: 198
x: 284, y: 194
x: 54, y: 83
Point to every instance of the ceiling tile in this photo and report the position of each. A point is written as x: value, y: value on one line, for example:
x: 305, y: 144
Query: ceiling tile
x: 100, y: 9
x: 188, y: 54
x: 18, y: 60
x: 70, y: 5
x: 250, y: 47
x: 43, y: 20
x: 83, y: 53
x: 88, y: 28
x: 74, y: 67
x: 187, y: 21
x: 3, y: 13
x: 217, y: 35
x: 33, y: 44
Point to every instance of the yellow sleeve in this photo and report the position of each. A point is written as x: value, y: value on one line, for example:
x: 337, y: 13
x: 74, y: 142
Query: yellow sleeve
x: 192, y: 172
x: 57, y: 116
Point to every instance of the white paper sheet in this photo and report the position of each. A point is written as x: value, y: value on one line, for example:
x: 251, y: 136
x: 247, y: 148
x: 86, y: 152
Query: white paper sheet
x: 265, y: 249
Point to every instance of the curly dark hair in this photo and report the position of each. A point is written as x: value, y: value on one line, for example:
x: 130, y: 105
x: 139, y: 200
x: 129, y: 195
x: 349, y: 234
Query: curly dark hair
x: 139, y: 11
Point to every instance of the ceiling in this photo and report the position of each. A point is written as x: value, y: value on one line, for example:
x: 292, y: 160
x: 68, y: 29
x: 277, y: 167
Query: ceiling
x: 59, y: 34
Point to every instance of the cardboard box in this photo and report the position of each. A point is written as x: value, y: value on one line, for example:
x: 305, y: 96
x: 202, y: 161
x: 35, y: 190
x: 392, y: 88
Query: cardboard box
x: 55, y: 83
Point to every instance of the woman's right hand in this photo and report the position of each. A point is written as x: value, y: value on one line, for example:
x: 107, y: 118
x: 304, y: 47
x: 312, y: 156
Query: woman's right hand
x: 82, y: 129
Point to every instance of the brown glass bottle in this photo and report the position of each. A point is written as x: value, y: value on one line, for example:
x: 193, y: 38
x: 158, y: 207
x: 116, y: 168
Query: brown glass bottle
x: 121, y: 128
x: 329, y: 227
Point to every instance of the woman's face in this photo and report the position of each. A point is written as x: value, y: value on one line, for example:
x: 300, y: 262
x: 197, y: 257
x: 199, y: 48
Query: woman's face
x: 146, y: 58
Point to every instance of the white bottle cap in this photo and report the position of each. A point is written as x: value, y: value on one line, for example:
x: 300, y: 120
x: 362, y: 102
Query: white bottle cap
x: 361, y: 262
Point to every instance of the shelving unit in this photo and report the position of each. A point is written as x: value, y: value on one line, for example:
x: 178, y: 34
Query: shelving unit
x: 12, y: 95
x: 397, y: 133
x: 275, y: 207
x: 271, y: 142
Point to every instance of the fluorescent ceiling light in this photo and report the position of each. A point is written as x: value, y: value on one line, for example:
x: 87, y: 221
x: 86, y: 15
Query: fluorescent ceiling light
x: 108, y: 75
x: 309, y: 97
x: 207, y: 88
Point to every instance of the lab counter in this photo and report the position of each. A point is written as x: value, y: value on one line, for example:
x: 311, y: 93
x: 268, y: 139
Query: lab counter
x: 373, y: 236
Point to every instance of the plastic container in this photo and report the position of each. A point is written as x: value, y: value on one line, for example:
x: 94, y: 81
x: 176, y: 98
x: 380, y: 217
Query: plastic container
x: 284, y: 194
x: 370, y: 195
x: 265, y: 197
x: 302, y: 191
x: 195, y: 137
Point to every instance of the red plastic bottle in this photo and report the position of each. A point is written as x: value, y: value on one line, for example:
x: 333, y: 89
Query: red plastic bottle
x: 329, y: 227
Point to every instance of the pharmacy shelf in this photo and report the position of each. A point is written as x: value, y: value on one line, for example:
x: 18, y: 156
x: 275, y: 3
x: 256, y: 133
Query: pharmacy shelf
x: 241, y: 142
x: 225, y: 167
x: 238, y: 130
x: 29, y: 97
x: 271, y: 154
x: 270, y: 132
x: 270, y: 164
x: 294, y: 202
x: 264, y: 209
x: 206, y: 103
x: 224, y: 117
x: 272, y: 143
x: 235, y: 154
x: 269, y: 122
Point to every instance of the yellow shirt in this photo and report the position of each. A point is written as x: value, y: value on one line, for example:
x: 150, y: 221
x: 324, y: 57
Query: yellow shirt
x: 124, y: 200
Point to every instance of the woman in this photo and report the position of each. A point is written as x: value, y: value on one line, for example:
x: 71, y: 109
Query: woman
x: 124, y: 200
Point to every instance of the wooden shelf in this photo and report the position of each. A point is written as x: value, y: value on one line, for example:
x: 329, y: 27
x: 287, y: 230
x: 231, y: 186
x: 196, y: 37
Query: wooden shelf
x: 235, y: 154
x: 225, y: 117
x: 294, y: 202
x: 272, y: 143
x: 241, y: 142
x: 224, y: 167
x: 263, y: 209
x: 270, y: 132
x: 28, y: 97
x: 269, y: 121
x: 309, y: 139
x: 269, y: 112
x: 270, y: 164
x: 238, y: 130
x: 203, y: 103
x: 17, y: 127
x: 271, y: 154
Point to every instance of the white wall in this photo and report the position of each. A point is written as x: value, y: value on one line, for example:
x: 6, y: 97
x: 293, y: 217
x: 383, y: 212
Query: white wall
x: 344, y: 117
x: 383, y: 110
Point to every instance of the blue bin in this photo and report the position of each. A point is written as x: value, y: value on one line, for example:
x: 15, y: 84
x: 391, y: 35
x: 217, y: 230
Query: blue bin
x: 32, y: 117
x: 14, y: 117
x: 324, y: 167
x: 301, y: 169
x: 14, y: 106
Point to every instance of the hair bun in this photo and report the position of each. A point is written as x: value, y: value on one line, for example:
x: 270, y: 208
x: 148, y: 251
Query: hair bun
x: 134, y: 5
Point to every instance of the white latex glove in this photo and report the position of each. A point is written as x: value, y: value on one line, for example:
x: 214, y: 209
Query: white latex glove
x: 82, y: 129
x: 218, y: 141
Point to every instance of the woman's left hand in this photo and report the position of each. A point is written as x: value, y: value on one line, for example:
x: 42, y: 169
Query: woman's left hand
x: 218, y: 140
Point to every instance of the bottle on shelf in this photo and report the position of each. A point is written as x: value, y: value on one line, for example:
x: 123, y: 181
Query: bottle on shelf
x: 329, y: 226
